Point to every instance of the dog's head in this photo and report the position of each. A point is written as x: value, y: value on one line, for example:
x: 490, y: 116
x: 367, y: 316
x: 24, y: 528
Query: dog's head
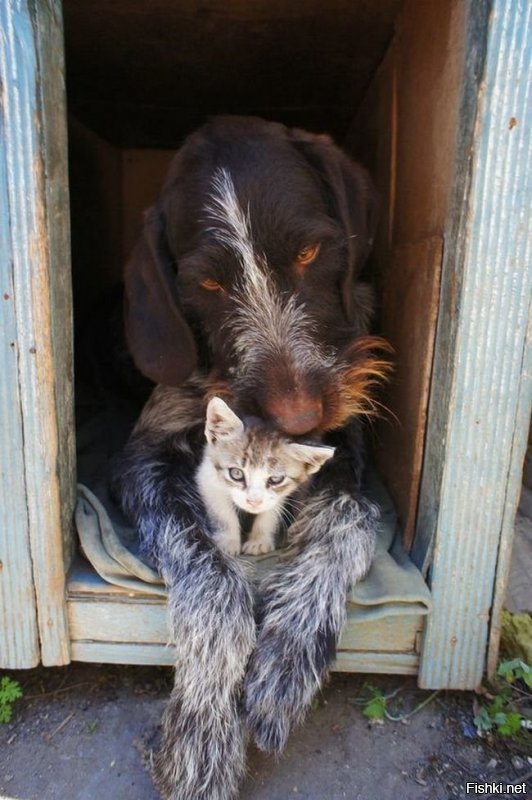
x: 249, y: 262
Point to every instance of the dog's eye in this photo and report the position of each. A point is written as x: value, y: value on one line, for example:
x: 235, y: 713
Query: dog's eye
x: 307, y: 255
x: 210, y: 285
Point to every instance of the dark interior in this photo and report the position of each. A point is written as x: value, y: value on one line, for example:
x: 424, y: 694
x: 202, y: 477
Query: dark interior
x: 144, y: 74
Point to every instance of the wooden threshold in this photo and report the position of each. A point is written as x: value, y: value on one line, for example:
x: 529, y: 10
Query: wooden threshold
x: 110, y: 624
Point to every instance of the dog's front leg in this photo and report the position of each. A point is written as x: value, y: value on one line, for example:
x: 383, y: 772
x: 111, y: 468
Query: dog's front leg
x: 202, y: 755
x: 303, y: 609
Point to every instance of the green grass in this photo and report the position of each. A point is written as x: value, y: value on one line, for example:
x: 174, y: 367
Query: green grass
x: 10, y: 691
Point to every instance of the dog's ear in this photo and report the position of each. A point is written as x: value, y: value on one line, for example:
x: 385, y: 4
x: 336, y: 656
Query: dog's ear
x: 158, y: 336
x: 352, y: 199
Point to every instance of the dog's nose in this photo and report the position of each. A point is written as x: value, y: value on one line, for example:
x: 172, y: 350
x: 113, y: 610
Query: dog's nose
x: 296, y: 416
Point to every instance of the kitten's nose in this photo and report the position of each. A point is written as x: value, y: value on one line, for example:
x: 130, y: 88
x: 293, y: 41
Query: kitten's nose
x: 254, y: 502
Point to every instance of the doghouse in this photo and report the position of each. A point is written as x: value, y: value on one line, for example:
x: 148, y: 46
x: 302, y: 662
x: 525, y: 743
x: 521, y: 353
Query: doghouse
x: 432, y: 97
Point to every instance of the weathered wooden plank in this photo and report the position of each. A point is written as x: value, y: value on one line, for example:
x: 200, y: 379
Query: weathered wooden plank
x: 142, y: 621
x: 54, y: 148
x: 387, y: 634
x: 102, y: 612
x: 481, y: 393
x: 387, y: 663
x: 113, y: 653
x: 19, y: 646
x: 405, y: 132
x: 455, y: 237
x: 99, y: 611
x: 159, y: 655
x: 132, y: 622
x: 409, y: 314
x: 38, y: 218
x: 519, y: 446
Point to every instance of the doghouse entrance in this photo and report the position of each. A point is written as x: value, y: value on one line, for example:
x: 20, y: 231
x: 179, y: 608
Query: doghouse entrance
x: 372, y: 75
x: 139, y: 80
x: 429, y: 96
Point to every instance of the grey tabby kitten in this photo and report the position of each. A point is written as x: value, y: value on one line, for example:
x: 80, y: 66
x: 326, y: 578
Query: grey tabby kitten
x: 253, y: 468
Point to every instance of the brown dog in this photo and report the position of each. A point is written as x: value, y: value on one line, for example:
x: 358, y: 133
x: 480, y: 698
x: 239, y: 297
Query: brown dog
x: 247, y: 274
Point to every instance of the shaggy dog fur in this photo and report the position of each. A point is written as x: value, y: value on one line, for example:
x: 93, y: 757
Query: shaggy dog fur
x: 245, y: 284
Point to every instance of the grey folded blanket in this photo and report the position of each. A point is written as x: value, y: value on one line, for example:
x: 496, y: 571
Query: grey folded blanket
x: 393, y: 586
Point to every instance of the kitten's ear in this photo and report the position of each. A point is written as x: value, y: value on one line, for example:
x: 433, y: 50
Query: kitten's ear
x: 222, y: 423
x: 313, y: 457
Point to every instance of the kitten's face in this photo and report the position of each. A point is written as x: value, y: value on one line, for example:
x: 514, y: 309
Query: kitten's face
x: 259, y: 467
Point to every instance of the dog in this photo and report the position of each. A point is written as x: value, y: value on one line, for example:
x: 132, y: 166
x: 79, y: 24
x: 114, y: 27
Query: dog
x: 245, y: 284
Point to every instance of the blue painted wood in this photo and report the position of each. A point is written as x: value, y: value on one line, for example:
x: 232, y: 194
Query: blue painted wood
x: 482, y: 368
x: 157, y: 654
x: 101, y: 612
x: 36, y: 211
x: 19, y: 645
x: 52, y: 551
x: 56, y: 209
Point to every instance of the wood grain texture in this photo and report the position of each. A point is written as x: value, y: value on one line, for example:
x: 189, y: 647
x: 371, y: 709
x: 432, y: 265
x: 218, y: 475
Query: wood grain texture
x: 481, y: 395
x: 110, y: 615
x: 159, y: 655
x: 405, y: 132
x: 38, y: 219
x: 409, y: 314
x: 54, y: 148
x: 19, y: 644
x: 135, y: 620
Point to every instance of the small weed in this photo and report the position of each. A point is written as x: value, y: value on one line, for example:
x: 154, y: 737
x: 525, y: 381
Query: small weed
x: 375, y: 706
x: 503, y: 715
x: 515, y: 670
x: 92, y: 726
x: 10, y: 691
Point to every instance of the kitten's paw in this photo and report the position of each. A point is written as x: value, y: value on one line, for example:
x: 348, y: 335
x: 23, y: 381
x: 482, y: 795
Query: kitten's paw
x: 256, y: 548
x: 229, y: 544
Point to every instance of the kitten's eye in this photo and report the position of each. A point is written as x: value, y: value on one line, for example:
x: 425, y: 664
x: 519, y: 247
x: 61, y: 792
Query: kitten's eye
x: 307, y: 255
x: 236, y: 474
x: 211, y: 286
x: 276, y: 480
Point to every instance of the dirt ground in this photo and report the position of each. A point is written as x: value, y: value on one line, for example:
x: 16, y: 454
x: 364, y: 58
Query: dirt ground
x: 86, y: 732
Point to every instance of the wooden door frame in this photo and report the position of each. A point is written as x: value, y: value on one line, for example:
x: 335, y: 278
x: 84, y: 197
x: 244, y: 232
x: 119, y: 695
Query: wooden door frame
x: 480, y: 396
x: 37, y: 296
x: 480, y: 402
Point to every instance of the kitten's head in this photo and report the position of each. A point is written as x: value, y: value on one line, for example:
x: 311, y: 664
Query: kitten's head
x: 259, y: 466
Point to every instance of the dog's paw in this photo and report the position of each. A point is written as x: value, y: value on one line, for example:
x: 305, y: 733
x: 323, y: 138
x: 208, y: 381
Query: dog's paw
x: 257, y: 547
x: 269, y: 732
x: 270, y: 705
x: 284, y: 673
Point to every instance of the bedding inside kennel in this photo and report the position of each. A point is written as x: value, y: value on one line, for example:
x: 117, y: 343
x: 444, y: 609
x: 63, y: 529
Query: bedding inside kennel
x: 388, y: 80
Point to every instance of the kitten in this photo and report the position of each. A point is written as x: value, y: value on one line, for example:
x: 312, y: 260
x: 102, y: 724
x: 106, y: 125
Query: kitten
x: 253, y: 468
